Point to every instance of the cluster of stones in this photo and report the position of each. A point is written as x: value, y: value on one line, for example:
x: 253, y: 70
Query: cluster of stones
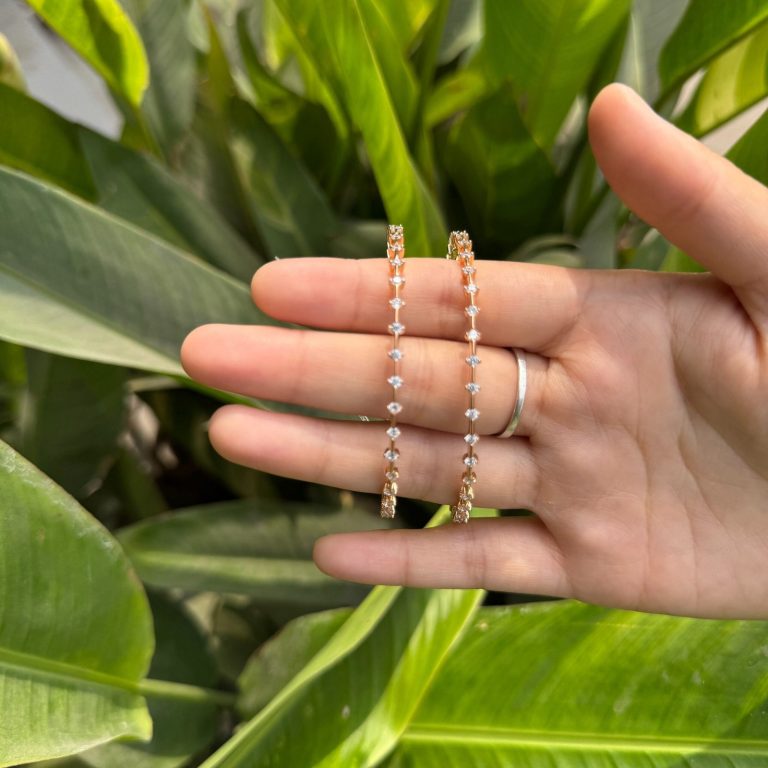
x: 396, y: 256
x: 460, y: 248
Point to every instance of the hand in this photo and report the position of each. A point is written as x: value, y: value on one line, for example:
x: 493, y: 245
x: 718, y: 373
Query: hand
x: 643, y: 446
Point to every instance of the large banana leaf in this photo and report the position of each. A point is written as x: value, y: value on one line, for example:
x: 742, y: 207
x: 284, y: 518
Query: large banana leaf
x: 76, y: 630
x: 355, y: 696
x: 101, y: 32
x: 566, y: 684
x: 341, y: 43
x: 707, y: 28
x: 81, y: 283
x: 251, y: 547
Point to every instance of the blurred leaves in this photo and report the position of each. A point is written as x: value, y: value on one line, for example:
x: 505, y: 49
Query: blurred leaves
x: 34, y: 139
x: 488, y: 150
x: 547, y: 51
x: 350, y: 56
x: 735, y: 80
x: 101, y: 32
x: 707, y: 28
x: 72, y: 416
x: 257, y: 548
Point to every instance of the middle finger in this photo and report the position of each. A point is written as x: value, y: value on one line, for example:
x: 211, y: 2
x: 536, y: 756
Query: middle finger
x: 347, y: 373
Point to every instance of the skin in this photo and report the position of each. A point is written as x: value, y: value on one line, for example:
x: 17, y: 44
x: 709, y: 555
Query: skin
x: 643, y: 447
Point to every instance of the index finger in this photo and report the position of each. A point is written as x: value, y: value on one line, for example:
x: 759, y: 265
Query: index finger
x: 526, y: 305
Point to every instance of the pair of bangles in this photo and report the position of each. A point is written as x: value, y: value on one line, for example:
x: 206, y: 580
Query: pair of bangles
x: 460, y: 250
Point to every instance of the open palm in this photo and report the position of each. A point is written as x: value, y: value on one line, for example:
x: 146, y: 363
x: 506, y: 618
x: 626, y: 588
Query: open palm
x: 643, y: 446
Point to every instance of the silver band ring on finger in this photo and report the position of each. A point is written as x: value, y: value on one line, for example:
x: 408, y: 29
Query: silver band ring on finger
x: 522, y: 382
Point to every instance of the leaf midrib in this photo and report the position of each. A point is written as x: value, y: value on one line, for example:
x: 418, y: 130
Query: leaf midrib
x: 71, y: 672
x: 514, y: 737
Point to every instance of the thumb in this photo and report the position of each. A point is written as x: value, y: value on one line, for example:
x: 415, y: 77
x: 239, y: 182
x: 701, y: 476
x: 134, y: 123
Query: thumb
x: 698, y: 200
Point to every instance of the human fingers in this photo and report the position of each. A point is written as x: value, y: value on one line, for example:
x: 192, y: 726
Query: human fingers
x: 348, y: 373
x: 697, y: 199
x: 351, y: 455
x: 505, y: 554
x: 521, y: 305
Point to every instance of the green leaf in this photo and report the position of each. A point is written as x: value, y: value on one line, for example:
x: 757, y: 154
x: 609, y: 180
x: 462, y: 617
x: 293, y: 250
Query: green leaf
x: 250, y: 547
x: 749, y: 151
x: 507, y: 183
x: 84, y: 284
x: 10, y: 68
x: 283, y: 657
x: 292, y: 213
x: 169, y: 102
x: 706, y: 30
x: 73, y: 414
x: 138, y: 189
x: 339, y: 39
x: 101, y: 32
x: 735, y: 80
x: 568, y: 684
x: 651, y: 23
x: 548, y: 52
x: 36, y: 140
x: 181, y: 728
x: 76, y: 633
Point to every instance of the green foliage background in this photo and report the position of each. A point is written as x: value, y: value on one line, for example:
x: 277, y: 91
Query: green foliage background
x: 158, y: 605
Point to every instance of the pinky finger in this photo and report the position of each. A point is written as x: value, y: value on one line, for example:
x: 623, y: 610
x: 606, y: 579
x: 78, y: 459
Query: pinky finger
x: 512, y: 554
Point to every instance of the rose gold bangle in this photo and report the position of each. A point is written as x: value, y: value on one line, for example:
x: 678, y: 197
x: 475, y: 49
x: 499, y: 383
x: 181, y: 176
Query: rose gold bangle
x: 460, y: 250
x: 396, y: 256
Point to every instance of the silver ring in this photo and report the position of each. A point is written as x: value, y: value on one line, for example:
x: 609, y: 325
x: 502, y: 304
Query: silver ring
x: 522, y: 382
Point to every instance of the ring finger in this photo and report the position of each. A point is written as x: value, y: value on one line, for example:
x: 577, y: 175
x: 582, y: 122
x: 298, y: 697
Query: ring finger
x: 348, y: 373
x: 348, y: 455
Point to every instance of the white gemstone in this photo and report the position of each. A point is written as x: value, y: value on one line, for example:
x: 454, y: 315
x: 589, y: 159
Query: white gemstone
x: 394, y: 408
x: 472, y: 414
x: 471, y: 439
x: 471, y: 288
x: 397, y: 261
x: 472, y: 387
x: 397, y: 280
x: 396, y: 303
x: 473, y: 360
x: 471, y: 310
x: 468, y: 269
x: 393, y: 433
x: 391, y: 454
x: 392, y: 475
x: 472, y: 335
x: 396, y: 381
x: 470, y: 461
x: 396, y: 354
x: 396, y: 328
